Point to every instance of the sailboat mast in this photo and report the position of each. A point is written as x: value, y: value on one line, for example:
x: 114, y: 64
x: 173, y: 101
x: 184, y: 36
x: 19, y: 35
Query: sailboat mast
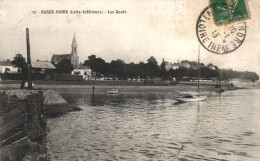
x: 199, y: 70
x: 114, y: 82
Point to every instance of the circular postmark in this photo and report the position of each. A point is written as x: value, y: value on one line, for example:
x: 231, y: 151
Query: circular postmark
x: 219, y: 39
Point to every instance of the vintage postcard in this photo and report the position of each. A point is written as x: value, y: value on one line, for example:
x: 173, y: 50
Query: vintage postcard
x: 130, y: 80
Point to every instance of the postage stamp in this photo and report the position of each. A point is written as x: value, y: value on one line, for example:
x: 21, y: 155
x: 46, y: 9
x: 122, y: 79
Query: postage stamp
x: 219, y: 39
x: 228, y: 11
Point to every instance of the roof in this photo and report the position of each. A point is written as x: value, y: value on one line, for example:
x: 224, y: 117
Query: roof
x: 11, y: 72
x: 6, y: 63
x: 176, y: 64
x: 83, y: 67
x: 43, y: 65
x: 68, y: 56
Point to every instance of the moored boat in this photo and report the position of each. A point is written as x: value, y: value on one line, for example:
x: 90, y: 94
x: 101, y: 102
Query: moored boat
x: 191, y: 98
x: 112, y: 91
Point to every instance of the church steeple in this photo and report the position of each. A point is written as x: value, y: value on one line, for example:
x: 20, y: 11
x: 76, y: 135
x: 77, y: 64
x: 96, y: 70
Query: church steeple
x: 74, y: 46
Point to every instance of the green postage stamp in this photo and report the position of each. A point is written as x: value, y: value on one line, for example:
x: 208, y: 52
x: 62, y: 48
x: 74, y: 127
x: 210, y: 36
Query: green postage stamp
x: 228, y: 11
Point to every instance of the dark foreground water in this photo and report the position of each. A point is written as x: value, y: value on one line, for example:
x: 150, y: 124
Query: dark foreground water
x: 151, y: 126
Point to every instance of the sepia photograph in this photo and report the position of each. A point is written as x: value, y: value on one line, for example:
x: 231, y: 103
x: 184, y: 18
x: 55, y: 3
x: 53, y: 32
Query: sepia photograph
x: 129, y: 80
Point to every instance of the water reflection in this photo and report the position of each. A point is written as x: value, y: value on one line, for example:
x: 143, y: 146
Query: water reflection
x: 151, y: 126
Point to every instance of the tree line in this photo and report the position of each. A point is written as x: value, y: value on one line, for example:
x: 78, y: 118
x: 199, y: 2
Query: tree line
x: 151, y: 69
x: 184, y: 70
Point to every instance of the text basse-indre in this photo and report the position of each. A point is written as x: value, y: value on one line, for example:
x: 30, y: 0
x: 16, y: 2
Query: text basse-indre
x: 54, y: 11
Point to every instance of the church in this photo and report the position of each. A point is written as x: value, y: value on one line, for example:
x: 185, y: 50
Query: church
x: 73, y: 56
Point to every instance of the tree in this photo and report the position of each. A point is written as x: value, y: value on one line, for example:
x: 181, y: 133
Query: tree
x: 141, y: 69
x: 64, y: 67
x: 117, y: 67
x: 152, y: 65
x: 96, y: 64
x: 130, y: 70
x: 100, y: 65
x: 90, y: 62
x: 163, y: 71
x: 18, y: 60
x: 152, y: 61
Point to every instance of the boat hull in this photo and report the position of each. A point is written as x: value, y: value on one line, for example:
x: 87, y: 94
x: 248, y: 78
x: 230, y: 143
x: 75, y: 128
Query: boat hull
x: 193, y: 99
x: 112, y: 91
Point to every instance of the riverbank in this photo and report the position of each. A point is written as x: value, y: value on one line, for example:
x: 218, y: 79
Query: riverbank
x: 87, y: 87
x: 103, y: 88
x: 44, y: 83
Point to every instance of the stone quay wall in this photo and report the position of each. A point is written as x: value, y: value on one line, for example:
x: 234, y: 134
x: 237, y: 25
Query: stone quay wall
x: 22, y: 126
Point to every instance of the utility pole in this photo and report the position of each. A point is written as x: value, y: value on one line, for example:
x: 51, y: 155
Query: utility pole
x: 29, y: 65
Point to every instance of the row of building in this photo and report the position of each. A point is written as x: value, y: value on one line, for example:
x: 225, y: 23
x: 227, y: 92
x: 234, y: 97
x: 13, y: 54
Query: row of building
x: 41, y: 69
x: 186, y: 64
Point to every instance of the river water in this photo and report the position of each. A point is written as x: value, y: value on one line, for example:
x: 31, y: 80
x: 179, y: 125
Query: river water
x: 152, y: 126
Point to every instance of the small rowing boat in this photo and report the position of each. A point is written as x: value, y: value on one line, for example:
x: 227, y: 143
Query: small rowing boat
x: 112, y: 91
x: 190, y: 98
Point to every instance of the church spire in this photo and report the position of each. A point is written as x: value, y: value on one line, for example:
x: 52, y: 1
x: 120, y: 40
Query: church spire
x: 74, y: 43
x: 74, y: 46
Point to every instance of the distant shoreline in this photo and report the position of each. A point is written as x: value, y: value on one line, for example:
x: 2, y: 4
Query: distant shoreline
x: 120, y: 82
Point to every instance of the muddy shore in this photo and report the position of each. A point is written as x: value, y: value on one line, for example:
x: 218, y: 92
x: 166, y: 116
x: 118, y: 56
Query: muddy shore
x: 69, y: 87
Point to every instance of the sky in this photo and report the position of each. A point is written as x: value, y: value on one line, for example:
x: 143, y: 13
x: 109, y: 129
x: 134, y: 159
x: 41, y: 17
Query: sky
x: 160, y: 28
